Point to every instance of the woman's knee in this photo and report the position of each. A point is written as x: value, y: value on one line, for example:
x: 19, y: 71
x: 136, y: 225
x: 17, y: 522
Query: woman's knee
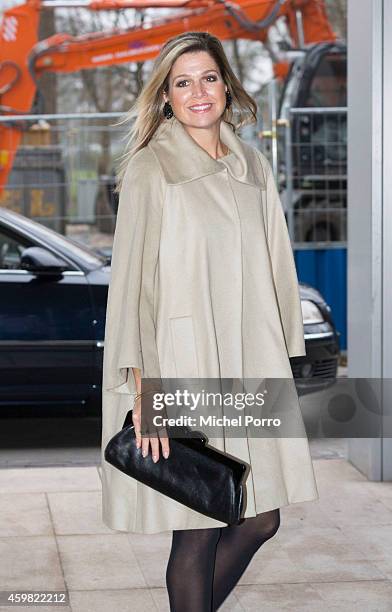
x: 273, y: 525
x: 191, y: 551
x: 193, y: 543
x: 268, y: 524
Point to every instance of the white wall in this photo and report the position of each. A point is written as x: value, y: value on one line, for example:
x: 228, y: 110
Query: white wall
x: 370, y: 216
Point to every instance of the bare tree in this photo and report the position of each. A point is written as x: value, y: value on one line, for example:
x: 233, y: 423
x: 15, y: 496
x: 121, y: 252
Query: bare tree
x: 111, y: 88
x: 48, y: 82
x: 100, y: 90
x: 337, y: 14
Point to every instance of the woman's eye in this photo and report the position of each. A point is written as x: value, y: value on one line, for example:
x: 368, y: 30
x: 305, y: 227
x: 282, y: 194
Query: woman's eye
x: 210, y: 77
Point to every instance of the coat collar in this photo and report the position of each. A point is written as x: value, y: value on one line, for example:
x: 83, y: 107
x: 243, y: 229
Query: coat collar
x: 182, y: 159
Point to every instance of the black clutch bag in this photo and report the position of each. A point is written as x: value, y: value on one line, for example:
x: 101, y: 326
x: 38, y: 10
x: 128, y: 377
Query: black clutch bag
x: 197, y: 475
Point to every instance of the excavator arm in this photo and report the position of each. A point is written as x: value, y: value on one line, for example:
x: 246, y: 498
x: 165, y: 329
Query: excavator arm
x: 23, y: 59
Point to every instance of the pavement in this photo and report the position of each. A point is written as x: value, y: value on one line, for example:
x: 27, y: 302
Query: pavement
x: 333, y: 554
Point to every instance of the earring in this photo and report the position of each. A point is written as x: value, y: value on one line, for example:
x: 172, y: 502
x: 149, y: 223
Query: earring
x: 229, y: 99
x: 167, y: 110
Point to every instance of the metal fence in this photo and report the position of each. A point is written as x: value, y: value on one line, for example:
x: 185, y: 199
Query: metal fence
x: 63, y: 173
x: 312, y: 154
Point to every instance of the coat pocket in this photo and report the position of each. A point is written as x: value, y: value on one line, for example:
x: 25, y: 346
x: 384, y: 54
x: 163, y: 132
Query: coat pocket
x: 184, y: 347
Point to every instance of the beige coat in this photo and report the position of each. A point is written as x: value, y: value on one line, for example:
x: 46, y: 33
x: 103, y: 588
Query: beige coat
x: 203, y: 284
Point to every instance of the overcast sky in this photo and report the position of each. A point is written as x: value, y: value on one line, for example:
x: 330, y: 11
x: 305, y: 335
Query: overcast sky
x: 8, y: 3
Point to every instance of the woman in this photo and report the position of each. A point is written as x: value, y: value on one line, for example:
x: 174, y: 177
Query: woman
x: 203, y: 286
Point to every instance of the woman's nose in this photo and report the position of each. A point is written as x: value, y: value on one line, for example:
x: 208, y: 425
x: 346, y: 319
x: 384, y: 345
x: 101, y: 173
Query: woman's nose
x: 198, y: 89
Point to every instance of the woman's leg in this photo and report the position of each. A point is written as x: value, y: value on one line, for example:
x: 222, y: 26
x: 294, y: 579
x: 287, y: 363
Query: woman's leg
x: 190, y: 569
x: 236, y: 547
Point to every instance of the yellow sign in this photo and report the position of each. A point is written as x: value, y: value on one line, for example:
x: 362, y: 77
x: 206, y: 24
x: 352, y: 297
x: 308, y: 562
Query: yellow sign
x: 39, y: 208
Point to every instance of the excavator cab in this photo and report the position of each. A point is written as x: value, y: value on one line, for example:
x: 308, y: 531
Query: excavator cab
x: 318, y: 80
x: 324, y: 81
x: 314, y: 99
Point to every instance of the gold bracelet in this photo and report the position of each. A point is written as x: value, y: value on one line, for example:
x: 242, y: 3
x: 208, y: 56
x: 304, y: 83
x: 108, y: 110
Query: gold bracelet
x: 139, y: 395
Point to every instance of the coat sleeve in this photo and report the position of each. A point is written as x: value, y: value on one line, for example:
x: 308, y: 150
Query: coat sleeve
x: 130, y: 322
x: 283, y: 267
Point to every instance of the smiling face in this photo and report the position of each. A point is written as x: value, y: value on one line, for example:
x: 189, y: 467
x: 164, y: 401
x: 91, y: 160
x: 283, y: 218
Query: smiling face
x: 196, y: 90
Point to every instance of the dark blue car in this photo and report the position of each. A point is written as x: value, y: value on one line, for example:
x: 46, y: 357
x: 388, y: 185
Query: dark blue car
x: 52, y: 318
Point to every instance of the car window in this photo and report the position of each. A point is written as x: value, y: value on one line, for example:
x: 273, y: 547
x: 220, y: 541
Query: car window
x: 11, y: 249
x: 67, y: 245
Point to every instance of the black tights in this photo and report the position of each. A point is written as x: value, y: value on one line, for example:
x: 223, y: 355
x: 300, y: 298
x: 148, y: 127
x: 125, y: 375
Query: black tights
x: 205, y: 564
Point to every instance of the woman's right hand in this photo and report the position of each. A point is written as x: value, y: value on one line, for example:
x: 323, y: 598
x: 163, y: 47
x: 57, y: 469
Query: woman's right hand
x: 145, y: 442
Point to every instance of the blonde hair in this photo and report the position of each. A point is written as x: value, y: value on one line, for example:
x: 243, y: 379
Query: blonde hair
x: 146, y: 114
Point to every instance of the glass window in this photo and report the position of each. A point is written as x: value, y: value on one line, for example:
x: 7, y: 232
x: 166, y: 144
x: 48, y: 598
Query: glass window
x: 11, y: 249
x: 328, y: 86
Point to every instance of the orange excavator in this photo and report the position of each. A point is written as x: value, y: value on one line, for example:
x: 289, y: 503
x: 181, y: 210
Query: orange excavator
x: 23, y: 59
